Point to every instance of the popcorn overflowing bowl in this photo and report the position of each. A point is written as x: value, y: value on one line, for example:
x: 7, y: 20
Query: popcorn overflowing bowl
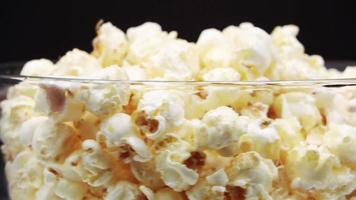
x: 240, y: 114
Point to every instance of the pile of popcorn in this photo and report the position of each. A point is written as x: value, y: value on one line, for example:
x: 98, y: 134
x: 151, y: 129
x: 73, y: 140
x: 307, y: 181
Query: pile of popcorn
x: 113, y: 140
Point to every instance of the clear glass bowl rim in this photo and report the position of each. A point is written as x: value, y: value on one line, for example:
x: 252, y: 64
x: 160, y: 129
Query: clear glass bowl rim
x: 311, y: 82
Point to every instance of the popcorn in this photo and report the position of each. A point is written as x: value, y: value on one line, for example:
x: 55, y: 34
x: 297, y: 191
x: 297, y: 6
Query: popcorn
x: 306, y: 67
x: 116, y: 128
x: 123, y: 190
x: 211, y: 97
x: 51, y: 141
x: 256, y: 110
x: 204, y: 191
x: 135, y: 73
x: 58, y: 102
x: 147, y: 174
x: 264, y: 140
x: 123, y: 127
x: 161, y: 54
x: 27, y: 129
x: 314, y: 168
x: 289, y: 131
x: 341, y: 140
x: 253, y: 46
x: 289, y: 105
x: 119, y: 130
x: 87, y: 126
x: 110, y: 45
x: 215, y: 50
x: 104, y: 98
x: 218, y: 178
x: 40, y: 67
x: 169, y: 162
x: 58, y: 188
x: 293, y: 63
x: 147, y: 192
x: 252, y: 172
x: 221, y: 129
x: 222, y: 74
x: 349, y: 72
x: 76, y: 63
x: 285, y: 40
x: 168, y: 194
x: 158, y: 112
x: 112, y: 72
x: 14, y: 112
x: 70, y: 190
x: 24, y: 88
x: 24, y: 175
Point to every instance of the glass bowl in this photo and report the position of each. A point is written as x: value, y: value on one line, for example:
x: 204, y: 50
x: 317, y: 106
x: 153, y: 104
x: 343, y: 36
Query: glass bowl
x: 76, y: 138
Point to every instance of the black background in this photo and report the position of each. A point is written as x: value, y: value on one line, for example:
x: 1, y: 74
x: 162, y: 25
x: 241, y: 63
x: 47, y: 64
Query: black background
x: 34, y: 29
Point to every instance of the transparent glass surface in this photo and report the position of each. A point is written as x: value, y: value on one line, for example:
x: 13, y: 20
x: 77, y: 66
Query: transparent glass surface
x: 301, y: 113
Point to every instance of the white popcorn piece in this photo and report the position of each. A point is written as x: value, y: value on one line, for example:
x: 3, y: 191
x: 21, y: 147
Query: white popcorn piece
x: 95, y: 165
x: 169, y: 162
x: 285, y: 40
x: 253, y: 173
x: 27, y: 129
x: 58, y: 102
x: 256, y: 110
x: 76, y: 63
x: 149, y: 194
x: 123, y: 190
x: 289, y: 131
x: 55, y: 187
x: 103, y: 98
x: 215, y: 50
x: 39, y: 67
x: 168, y: 194
x: 341, y: 140
x: 25, y: 88
x: 221, y: 74
x: 66, y: 189
x: 118, y: 130
x: 94, y: 157
x: 314, y: 168
x: 253, y: 46
x: 144, y: 40
x: 349, y: 72
x: 218, y: 178
x: 47, y: 190
x: 221, y: 129
x: 205, y: 191
x: 160, y: 112
x: 117, y: 127
x: 161, y: 54
x: 135, y: 73
x: 304, y: 68
x: 110, y: 45
x: 147, y: 174
x: 112, y: 72
x: 52, y: 141
x: 24, y: 175
x: 261, y: 138
x: 15, y: 111
x: 213, y: 96
x: 289, y: 105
